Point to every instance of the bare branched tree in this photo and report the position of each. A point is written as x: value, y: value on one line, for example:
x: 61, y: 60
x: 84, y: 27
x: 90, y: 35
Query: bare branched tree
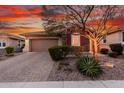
x: 99, y: 25
x: 78, y: 15
x: 91, y: 20
x: 74, y: 16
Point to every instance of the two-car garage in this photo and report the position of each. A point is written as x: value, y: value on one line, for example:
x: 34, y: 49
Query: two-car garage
x: 41, y: 45
x: 40, y: 41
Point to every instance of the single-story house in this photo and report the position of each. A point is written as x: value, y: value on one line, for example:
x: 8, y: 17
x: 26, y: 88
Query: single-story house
x: 41, y: 41
x: 10, y: 40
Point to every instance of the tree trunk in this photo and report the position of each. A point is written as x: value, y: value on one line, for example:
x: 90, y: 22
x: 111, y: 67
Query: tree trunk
x: 95, y: 48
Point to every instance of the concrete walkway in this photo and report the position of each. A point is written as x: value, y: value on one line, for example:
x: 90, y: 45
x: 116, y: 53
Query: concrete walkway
x: 28, y: 67
x: 65, y: 84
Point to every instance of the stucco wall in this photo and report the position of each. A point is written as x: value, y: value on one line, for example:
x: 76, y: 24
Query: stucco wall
x: 110, y: 39
x: 22, y: 42
x: 13, y: 42
x: 4, y: 39
x: 27, y: 47
x: 114, y: 38
x: 9, y: 42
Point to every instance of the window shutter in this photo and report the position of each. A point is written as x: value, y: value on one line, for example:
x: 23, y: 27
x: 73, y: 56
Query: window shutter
x: 68, y: 39
x: 81, y: 40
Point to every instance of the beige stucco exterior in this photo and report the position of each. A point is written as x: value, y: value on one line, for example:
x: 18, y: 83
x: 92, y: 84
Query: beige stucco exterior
x: 111, y: 39
x: 26, y: 48
x: 10, y: 41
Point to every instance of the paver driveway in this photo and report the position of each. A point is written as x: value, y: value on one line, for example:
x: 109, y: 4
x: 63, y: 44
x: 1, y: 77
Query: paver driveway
x: 28, y: 67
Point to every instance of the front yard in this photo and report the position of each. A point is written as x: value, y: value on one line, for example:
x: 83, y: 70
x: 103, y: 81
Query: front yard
x: 66, y: 70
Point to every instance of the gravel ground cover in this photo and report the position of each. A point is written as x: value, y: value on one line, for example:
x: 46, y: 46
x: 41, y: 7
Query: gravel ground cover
x: 66, y: 70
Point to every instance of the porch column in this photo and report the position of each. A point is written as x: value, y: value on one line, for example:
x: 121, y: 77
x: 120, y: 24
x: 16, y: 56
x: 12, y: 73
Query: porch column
x: 26, y: 49
x: 91, y: 46
x: 60, y: 41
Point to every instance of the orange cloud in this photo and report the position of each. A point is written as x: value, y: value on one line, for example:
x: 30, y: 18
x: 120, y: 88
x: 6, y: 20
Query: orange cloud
x: 20, y: 30
x: 36, y: 10
x: 19, y: 17
x: 20, y: 11
x: 29, y: 11
x: 14, y: 12
x: 16, y: 9
x: 119, y: 21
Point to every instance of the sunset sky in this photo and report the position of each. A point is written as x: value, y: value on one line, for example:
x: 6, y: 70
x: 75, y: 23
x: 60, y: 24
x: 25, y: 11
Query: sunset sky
x: 19, y: 19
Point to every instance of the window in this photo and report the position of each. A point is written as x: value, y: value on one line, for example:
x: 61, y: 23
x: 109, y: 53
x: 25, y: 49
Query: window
x: 2, y: 44
x: 123, y: 36
x: 75, y: 40
x: 104, y: 40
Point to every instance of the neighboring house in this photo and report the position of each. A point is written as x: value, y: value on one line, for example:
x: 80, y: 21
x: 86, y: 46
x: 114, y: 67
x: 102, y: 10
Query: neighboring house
x: 41, y: 41
x: 10, y: 40
x: 112, y: 38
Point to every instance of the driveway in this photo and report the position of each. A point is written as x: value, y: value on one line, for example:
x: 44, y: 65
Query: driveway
x: 28, y: 67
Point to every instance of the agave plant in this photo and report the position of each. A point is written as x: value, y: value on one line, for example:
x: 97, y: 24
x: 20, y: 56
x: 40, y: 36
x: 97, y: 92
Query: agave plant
x: 89, y: 66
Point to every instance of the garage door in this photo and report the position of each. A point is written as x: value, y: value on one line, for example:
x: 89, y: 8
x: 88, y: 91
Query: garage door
x: 41, y: 45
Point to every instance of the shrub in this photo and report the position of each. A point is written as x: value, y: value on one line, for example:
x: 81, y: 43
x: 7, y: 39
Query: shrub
x: 55, y: 53
x: 58, y: 52
x: 104, y: 51
x: 65, y: 50
x: 89, y: 67
x: 118, y: 48
x: 76, y: 50
x: 9, y: 50
x: 113, y: 54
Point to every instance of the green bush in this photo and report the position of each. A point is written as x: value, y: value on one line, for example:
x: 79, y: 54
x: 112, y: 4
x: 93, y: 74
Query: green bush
x: 65, y: 50
x: 113, y: 54
x: 104, y: 51
x: 118, y: 48
x: 9, y: 50
x: 58, y: 52
x: 89, y: 67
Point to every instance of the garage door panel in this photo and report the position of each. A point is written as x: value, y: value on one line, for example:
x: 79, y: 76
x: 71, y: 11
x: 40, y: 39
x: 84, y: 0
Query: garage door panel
x: 39, y: 45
